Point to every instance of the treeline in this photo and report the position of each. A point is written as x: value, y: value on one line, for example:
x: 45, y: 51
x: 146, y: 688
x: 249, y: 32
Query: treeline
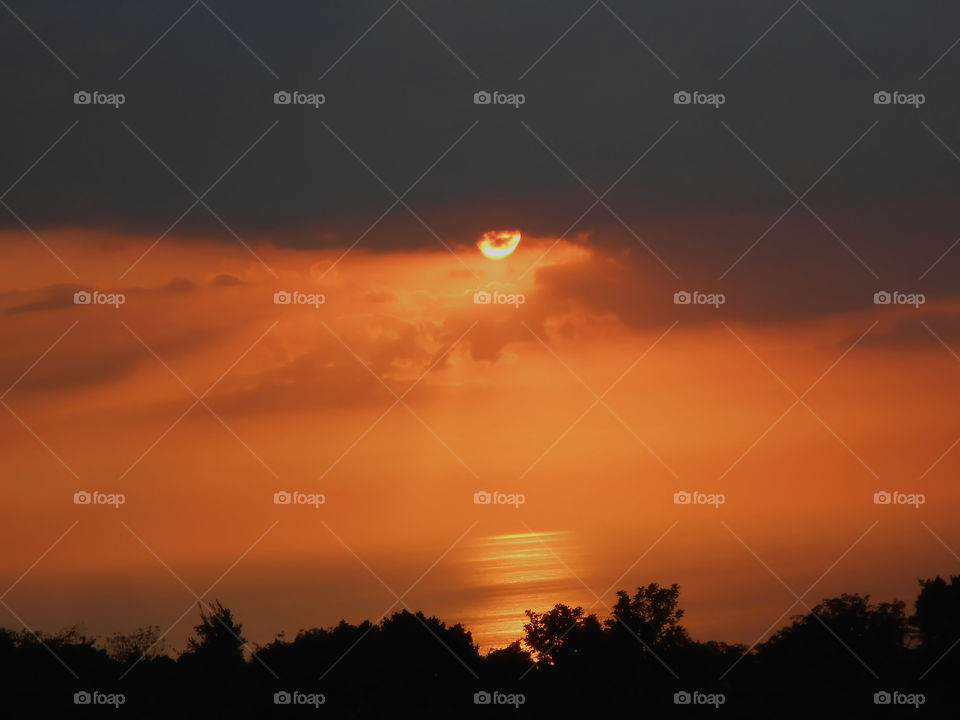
x: 848, y: 656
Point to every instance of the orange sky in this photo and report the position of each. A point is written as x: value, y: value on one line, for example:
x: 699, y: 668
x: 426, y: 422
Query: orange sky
x: 501, y: 400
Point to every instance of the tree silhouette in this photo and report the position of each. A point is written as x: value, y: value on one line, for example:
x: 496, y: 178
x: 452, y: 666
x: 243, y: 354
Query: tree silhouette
x: 218, y: 636
x: 560, y: 632
x: 130, y: 647
x: 652, y: 614
x: 570, y: 662
x: 937, y: 616
x: 869, y: 631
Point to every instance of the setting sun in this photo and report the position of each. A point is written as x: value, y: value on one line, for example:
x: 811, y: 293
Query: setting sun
x: 497, y: 244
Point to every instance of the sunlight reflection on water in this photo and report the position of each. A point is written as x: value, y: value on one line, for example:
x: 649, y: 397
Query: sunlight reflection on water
x: 514, y: 573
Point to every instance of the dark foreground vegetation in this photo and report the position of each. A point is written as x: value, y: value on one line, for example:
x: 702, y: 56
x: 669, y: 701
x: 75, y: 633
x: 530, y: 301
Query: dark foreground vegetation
x: 848, y: 657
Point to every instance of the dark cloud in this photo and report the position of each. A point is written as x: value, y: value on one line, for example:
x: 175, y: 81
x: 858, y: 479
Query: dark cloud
x: 59, y: 297
x: 400, y: 99
x: 180, y: 285
x: 938, y: 326
x: 93, y: 354
x: 799, y: 116
x: 226, y: 280
x: 53, y: 297
x: 797, y: 270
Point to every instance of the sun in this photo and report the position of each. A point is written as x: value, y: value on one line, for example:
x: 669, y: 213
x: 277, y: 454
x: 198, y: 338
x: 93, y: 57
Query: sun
x: 497, y: 244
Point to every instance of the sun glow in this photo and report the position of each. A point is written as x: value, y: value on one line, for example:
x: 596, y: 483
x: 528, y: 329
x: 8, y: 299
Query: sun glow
x: 497, y: 244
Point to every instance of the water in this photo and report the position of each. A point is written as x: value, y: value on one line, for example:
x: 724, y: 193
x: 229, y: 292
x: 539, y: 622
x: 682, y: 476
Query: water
x: 510, y: 574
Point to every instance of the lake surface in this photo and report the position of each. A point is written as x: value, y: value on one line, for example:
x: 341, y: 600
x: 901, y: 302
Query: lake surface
x: 513, y: 573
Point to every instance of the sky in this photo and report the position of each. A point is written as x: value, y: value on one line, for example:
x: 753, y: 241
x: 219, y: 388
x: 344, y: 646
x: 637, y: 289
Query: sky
x: 587, y: 399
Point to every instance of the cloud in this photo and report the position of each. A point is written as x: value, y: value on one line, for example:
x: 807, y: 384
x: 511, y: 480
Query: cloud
x: 400, y: 100
x: 179, y: 285
x: 797, y: 271
x: 226, y: 280
x: 52, y: 297
x: 907, y: 329
x: 59, y: 297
